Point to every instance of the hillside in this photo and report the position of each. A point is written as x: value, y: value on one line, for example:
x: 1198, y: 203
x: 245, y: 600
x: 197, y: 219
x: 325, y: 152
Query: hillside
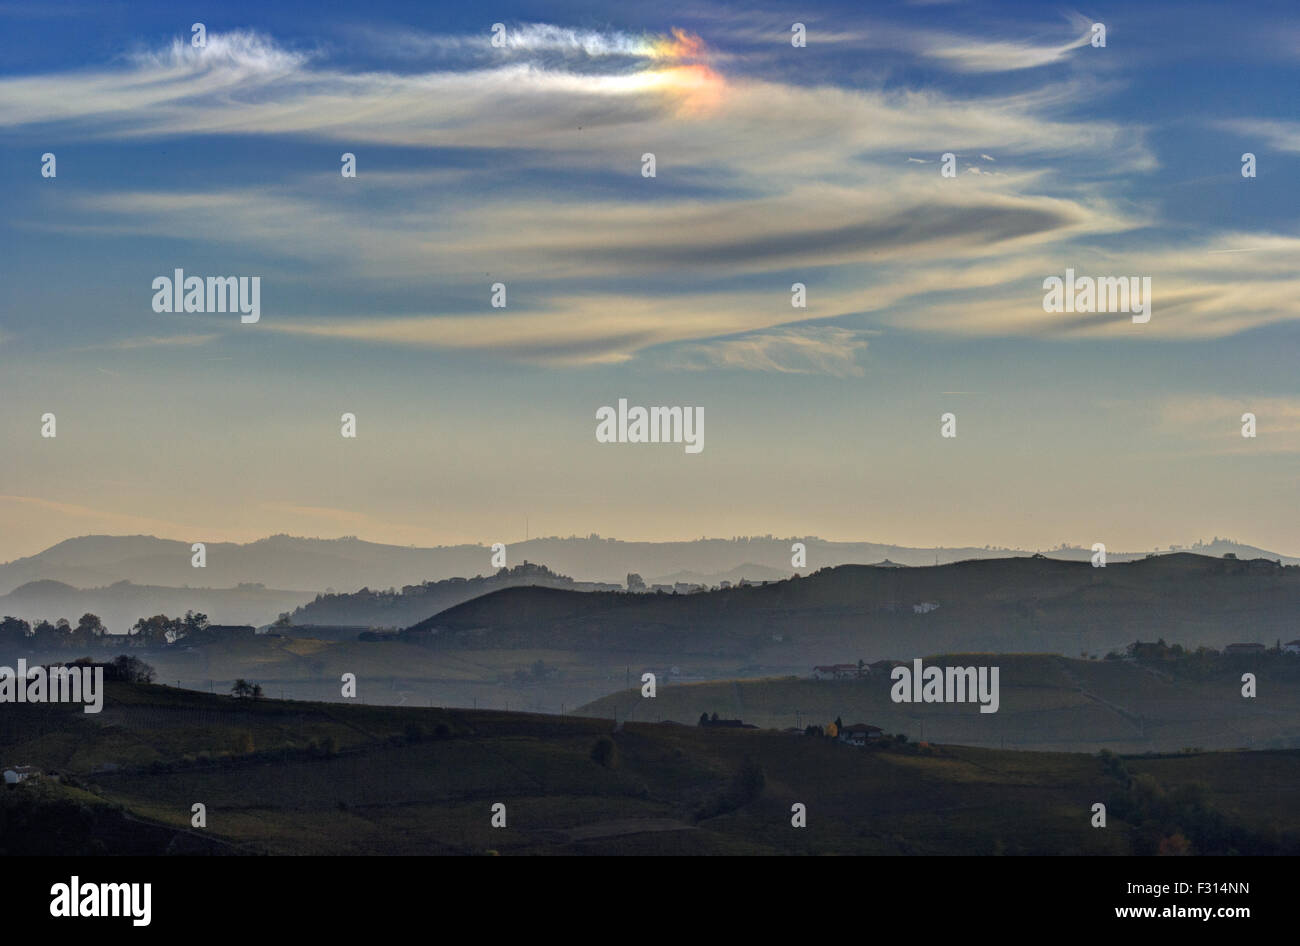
x: 862, y: 612
x: 300, y: 778
x: 1047, y: 703
x: 414, y: 603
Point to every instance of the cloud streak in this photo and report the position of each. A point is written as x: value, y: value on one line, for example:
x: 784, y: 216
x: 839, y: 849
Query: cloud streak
x: 825, y: 351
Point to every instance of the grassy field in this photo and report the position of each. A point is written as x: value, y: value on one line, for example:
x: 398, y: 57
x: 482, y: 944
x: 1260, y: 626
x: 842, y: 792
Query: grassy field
x: 297, y: 778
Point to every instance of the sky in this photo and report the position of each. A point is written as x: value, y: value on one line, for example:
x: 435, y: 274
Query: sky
x: 522, y: 164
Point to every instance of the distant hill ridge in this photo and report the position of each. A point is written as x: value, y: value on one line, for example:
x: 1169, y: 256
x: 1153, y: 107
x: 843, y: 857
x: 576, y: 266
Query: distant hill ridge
x: 121, y: 604
x: 348, y: 564
x: 1010, y: 604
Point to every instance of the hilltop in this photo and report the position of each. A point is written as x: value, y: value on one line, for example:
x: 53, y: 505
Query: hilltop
x: 413, y: 603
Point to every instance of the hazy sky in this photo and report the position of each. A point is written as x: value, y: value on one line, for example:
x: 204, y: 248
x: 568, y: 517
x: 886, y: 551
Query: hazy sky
x: 774, y: 165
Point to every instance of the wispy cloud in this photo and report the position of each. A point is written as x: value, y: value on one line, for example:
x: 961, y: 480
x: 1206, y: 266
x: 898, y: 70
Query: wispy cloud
x: 89, y: 518
x: 962, y: 54
x: 827, y: 350
x: 999, y: 48
x: 154, y: 341
x: 1273, y: 133
x: 533, y: 38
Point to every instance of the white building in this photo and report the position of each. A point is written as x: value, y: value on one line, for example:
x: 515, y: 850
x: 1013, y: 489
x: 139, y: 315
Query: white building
x: 20, y: 773
x: 859, y: 734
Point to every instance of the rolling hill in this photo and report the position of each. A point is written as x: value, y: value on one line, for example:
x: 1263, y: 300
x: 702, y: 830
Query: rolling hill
x: 1047, y: 703
x: 861, y: 612
x: 414, y: 603
x: 303, y: 778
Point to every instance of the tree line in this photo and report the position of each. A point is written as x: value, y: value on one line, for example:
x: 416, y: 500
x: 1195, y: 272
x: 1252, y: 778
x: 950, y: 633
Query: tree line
x: 156, y: 631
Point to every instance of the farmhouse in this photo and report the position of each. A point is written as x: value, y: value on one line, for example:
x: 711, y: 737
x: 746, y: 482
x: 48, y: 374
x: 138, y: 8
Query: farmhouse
x: 714, y: 721
x: 1240, y: 649
x: 839, y: 672
x: 859, y: 734
x: 323, y: 632
x: 21, y: 773
x: 1291, y: 647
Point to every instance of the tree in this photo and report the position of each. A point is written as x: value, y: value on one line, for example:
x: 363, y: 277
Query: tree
x: 635, y: 582
x: 704, y: 719
x: 839, y: 723
x: 90, y: 628
x: 132, y: 669
x: 256, y: 691
x: 14, y: 630
x: 283, y: 620
x: 157, y: 631
x: 192, y: 623
x: 242, y: 688
x: 44, y: 635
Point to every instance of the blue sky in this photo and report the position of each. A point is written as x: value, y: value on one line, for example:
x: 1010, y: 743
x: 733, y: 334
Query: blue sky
x: 775, y: 165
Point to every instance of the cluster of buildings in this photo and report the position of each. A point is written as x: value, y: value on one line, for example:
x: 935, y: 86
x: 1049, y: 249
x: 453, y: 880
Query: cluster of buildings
x: 855, y: 734
x: 841, y: 671
x: 1236, y: 650
x: 859, y: 734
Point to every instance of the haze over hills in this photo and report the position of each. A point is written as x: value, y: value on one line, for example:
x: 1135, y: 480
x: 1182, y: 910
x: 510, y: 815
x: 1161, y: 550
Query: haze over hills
x: 349, y: 564
x: 545, y: 648
x: 121, y: 604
